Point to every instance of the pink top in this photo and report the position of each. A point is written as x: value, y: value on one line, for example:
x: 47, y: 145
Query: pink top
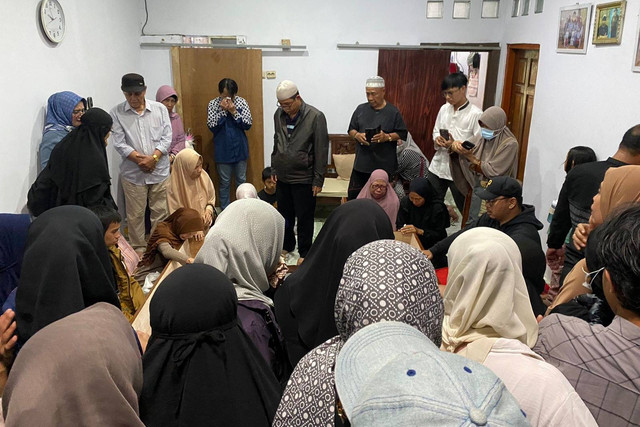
x: 177, y: 141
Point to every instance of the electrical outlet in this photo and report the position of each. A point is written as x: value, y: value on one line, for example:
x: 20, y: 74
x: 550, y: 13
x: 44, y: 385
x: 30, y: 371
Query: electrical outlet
x: 241, y: 39
x: 285, y: 42
x: 270, y: 74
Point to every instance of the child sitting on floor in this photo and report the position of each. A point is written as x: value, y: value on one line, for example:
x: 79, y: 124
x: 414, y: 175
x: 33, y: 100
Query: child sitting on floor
x: 268, y: 193
x: 129, y: 291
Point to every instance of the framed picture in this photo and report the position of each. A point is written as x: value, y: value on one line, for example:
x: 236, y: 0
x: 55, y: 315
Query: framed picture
x: 573, y: 28
x: 636, y: 55
x: 607, y: 24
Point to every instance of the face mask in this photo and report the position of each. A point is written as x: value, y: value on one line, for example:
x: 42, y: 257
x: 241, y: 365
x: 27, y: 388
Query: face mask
x: 487, y: 134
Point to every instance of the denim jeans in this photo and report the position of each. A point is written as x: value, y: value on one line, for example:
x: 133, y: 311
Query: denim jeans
x: 225, y: 170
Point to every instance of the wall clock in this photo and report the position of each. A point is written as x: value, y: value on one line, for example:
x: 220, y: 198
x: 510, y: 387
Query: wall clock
x: 52, y: 20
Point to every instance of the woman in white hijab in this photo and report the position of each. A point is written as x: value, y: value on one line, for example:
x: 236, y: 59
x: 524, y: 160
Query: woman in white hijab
x: 488, y: 318
x: 246, y: 191
x: 245, y: 244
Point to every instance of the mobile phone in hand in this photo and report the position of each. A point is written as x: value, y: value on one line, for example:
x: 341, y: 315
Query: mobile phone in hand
x: 444, y: 133
x: 467, y: 145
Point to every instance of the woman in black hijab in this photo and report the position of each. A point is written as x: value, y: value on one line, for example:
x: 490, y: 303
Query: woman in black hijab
x: 199, y: 367
x: 305, y: 302
x: 423, y: 213
x: 65, y: 269
x: 77, y: 172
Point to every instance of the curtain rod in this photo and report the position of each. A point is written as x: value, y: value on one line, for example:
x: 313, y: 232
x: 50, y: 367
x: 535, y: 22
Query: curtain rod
x: 479, y: 47
x: 226, y: 46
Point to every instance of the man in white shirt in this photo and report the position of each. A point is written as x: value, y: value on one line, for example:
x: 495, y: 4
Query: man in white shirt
x: 460, y: 119
x: 141, y: 134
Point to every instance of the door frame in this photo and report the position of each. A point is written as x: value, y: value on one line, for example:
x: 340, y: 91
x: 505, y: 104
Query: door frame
x: 493, y: 64
x: 508, y: 71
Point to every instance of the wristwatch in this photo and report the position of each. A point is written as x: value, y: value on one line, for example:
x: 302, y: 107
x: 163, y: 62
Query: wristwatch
x: 156, y: 158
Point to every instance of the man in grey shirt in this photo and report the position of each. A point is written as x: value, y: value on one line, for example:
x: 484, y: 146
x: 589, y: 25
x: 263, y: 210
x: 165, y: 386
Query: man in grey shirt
x: 142, y: 136
x: 602, y: 362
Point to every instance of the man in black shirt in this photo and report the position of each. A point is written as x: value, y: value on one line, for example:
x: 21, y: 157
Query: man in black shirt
x: 574, y: 202
x: 376, y: 126
x: 507, y: 213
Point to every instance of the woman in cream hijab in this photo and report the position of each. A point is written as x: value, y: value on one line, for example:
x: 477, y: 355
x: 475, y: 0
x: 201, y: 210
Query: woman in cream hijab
x: 191, y: 187
x: 488, y: 318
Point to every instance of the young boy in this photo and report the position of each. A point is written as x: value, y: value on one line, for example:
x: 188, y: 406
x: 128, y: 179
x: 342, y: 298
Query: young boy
x: 268, y: 194
x: 129, y: 291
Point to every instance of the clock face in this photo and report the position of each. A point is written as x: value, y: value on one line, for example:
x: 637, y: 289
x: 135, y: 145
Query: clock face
x: 52, y: 20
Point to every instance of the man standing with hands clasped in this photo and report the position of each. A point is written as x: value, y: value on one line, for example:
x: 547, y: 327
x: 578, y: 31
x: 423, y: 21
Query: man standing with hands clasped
x: 376, y: 126
x: 142, y: 136
x: 298, y: 163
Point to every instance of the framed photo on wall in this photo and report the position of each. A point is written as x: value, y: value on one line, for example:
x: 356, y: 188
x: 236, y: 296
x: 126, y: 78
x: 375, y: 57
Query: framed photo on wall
x: 607, y: 24
x: 573, y: 28
x: 636, y: 55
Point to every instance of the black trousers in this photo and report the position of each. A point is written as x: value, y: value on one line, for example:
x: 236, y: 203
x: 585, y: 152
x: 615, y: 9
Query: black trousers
x: 357, y: 181
x: 296, y: 201
x: 441, y: 186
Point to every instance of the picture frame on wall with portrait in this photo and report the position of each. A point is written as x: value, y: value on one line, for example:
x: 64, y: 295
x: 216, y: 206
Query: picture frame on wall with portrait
x: 573, y: 28
x: 607, y: 24
x: 636, y: 52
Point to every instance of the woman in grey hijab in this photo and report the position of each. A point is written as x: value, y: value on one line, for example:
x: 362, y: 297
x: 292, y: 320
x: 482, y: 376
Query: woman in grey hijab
x: 382, y: 281
x: 245, y: 244
x: 412, y: 164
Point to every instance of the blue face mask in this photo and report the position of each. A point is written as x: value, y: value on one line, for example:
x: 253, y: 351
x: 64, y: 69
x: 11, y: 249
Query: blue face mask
x: 487, y: 134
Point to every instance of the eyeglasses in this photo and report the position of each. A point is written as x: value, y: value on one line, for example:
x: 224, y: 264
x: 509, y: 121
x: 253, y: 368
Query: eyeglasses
x: 287, y: 103
x: 450, y: 92
x: 589, y: 277
x: 378, y: 186
x: 79, y: 111
x: 491, y: 202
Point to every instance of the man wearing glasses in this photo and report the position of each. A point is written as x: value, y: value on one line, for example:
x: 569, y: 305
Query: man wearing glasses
x: 142, y: 136
x: 507, y: 213
x: 457, y: 120
x: 298, y: 163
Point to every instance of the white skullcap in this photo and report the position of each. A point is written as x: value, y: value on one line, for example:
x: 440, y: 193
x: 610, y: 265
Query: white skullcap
x: 246, y: 191
x: 286, y: 89
x: 375, y: 81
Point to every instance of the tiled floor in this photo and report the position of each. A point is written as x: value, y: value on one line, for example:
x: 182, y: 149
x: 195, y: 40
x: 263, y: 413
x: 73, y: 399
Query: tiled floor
x: 323, y: 211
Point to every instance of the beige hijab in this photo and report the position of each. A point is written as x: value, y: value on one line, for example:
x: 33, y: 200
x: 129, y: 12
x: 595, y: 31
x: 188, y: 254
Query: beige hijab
x: 499, y: 156
x: 84, y: 369
x: 186, y: 192
x: 486, y: 296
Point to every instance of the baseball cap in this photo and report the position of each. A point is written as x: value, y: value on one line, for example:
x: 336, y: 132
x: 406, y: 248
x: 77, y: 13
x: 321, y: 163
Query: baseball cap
x: 389, y: 373
x: 133, y: 83
x: 504, y: 186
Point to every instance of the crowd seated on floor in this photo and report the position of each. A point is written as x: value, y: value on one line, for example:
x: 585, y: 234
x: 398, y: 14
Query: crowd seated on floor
x: 366, y: 329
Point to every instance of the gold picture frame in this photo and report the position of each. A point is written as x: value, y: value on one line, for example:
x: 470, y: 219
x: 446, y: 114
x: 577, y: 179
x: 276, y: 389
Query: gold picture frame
x: 607, y: 23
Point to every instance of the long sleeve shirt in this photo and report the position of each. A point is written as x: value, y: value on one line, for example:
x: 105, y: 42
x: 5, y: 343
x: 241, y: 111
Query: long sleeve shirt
x: 144, y: 133
x: 462, y: 125
x: 231, y: 144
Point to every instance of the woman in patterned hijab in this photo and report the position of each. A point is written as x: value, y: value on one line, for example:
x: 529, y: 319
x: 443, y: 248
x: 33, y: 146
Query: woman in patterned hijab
x: 385, y: 280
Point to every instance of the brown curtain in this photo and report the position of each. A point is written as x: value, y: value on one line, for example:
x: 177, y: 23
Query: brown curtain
x: 412, y: 80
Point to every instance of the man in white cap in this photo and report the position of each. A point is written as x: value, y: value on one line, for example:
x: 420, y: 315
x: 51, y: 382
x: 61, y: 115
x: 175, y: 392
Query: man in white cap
x: 298, y: 163
x: 376, y: 126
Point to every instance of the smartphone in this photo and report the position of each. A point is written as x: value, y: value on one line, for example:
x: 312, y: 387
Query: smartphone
x: 371, y: 132
x: 467, y: 145
x: 444, y: 133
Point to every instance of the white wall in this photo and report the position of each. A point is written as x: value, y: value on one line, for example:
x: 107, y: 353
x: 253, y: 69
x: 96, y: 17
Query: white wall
x: 580, y: 99
x: 330, y: 79
x: 101, y: 44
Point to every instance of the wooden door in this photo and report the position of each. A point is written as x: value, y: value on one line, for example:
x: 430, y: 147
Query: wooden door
x: 412, y: 80
x: 518, y: 96
x: 196, y: 73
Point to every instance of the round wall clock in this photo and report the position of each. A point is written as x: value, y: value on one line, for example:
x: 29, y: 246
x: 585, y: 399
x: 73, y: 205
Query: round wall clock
x: 52, y: 20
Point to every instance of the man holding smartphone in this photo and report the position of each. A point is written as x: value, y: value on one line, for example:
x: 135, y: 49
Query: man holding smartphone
x: 457, y: 121
x: 376, y: 126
